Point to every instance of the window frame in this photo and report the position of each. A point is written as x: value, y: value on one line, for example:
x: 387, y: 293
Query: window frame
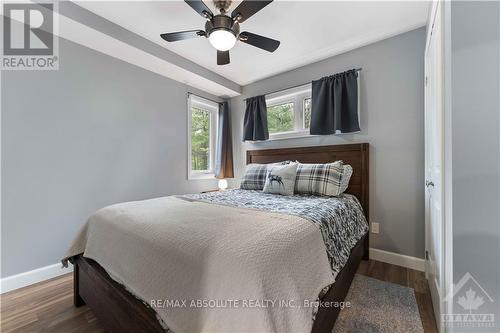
x: 213, y: 109
x: 296, y: 96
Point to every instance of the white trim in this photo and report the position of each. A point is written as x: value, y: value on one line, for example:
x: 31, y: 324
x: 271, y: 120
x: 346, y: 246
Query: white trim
x: 31, y: 277
x: 447, y: 162
x: 204, y: 103
x: 198, y: 175
x: 289, y: 93
x: 402, y: 260
x: 290, y: 135
x: 430, y: 22
x: 48, y: 272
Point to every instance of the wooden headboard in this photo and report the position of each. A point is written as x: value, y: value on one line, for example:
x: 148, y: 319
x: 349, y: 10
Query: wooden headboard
x: 354, y: 154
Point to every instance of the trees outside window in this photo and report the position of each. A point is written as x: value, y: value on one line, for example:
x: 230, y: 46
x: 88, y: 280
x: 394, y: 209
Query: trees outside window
x: 202, y: 133
x: 280, y: 118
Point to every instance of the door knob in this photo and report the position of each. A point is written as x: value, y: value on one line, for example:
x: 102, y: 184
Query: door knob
x: 428, y: 183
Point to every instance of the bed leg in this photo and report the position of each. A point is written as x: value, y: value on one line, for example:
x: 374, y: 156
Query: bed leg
x: 77, y: 299
x: 366, y: 249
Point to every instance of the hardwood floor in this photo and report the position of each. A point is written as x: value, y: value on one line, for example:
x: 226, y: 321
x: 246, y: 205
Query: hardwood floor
x: 48, y: 306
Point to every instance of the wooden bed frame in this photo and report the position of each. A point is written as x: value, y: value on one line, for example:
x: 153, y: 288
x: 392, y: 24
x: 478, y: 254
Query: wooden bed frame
x: 119, y: 311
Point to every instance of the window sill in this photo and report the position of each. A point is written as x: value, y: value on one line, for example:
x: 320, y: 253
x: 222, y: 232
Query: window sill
x: 301, y: 134
x: 290, y: 135
x: 200, y: 176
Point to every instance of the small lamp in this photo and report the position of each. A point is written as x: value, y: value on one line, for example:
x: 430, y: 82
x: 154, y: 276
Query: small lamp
x: 222, y: 184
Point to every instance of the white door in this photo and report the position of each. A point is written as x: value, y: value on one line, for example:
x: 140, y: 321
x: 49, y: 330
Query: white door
x: 434, y: 162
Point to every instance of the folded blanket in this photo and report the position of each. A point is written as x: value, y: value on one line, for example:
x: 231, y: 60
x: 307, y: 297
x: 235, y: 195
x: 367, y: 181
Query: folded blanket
x: 213, y: 268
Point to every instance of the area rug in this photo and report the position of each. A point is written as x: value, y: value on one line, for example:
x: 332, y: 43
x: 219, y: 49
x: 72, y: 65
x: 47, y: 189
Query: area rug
x: 378, y: 306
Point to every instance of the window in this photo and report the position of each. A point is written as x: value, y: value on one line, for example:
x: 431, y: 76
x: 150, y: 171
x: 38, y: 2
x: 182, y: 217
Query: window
x: 289, y: 112
x: 202, y: 132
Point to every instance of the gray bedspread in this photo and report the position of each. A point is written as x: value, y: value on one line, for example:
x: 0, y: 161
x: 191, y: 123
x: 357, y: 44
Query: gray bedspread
x: 340, y: 219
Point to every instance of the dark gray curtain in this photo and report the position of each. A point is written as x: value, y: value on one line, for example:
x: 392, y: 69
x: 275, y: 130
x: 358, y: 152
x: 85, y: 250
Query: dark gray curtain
x: 334, y: 104
x: 224, y: 149
x: 255, y: 123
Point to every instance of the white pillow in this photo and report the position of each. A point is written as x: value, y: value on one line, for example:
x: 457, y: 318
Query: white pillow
x: 346, y: 176
x: 281, y: 179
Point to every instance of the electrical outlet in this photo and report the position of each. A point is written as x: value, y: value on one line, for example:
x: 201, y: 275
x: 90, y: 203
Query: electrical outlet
x: 375, y: 227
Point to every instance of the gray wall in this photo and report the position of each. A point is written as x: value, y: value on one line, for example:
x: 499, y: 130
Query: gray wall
x: 96, y: 132
x: 392, y: 121
x: 475, y: 33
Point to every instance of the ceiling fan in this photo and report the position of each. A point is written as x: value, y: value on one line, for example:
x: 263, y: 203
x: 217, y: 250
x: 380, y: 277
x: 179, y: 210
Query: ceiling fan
x: 223, y: 30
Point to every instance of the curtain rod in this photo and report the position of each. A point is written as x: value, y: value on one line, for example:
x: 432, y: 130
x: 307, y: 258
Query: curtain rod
x: 208, y: 99
x: 296, y: 86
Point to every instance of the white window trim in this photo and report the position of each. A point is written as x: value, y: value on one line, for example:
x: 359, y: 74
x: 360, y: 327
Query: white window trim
x: 213, y: 108
x: 296, y: 96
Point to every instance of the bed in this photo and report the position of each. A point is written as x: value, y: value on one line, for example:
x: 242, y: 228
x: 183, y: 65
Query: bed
x: 115, y: 305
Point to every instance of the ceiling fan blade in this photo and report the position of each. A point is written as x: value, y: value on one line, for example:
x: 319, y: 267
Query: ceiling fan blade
x: 247, y: 8
x: 200, y: 8
x: 222, y: 57
x: 180, y: 35
x: 259, y: 41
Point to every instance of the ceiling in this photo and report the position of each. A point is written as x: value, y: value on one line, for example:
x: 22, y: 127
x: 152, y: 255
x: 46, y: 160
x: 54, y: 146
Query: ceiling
x: 308, y: 30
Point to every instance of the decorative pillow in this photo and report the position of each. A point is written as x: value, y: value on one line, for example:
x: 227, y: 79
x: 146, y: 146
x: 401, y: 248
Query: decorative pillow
x: 319, y: 179
x: 254, y: 177
x: 346, y: 176
x: 281, y: 179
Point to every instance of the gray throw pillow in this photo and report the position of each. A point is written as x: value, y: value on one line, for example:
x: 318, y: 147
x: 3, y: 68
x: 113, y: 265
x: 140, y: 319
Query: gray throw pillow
x: 281, y: 179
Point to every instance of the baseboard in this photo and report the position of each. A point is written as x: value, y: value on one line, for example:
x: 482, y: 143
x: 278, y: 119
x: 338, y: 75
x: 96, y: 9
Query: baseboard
x: 48, y: 272
x: 31, y: 277
x: 417, y: 264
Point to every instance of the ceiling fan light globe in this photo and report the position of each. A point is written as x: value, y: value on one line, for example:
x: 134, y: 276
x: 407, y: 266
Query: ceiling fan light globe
x: 222, y: 40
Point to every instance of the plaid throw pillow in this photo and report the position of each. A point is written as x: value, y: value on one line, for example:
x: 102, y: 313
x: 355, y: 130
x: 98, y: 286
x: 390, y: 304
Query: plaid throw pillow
x: 254, y: 177
x: 319, y: 179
